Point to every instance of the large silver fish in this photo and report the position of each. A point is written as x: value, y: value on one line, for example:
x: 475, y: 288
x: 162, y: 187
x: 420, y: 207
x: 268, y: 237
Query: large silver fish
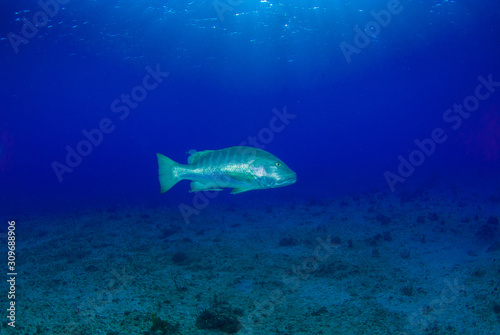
x: 240, y: 168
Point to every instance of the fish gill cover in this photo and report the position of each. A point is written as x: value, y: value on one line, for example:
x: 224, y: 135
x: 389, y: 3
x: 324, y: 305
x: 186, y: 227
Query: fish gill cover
x: 387, y: 111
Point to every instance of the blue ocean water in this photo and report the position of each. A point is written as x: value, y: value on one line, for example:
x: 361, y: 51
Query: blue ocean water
x: 388, y: 111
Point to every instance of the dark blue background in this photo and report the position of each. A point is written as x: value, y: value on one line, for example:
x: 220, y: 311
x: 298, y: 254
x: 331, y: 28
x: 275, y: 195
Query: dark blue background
x: 226, y: 76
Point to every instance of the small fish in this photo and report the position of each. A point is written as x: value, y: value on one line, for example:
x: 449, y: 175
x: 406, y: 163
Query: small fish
x: 240, y: 168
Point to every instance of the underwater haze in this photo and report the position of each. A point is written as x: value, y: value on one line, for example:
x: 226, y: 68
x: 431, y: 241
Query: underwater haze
x: 387, y: 113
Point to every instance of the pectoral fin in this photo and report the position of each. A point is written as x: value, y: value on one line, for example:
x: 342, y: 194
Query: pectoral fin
x: 241, y: 176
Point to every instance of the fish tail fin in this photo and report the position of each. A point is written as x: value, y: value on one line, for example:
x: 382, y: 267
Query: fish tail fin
x: 167, y: 172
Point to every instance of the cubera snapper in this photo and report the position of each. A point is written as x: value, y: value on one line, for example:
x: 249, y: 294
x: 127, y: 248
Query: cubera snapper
x: 240, y: 168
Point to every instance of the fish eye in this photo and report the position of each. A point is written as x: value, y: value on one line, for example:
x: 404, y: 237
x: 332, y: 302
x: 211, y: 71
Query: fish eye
x: 278, y: 164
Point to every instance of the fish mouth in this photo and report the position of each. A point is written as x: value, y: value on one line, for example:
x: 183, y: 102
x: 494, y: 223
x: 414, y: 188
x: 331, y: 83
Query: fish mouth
x: 288, y: 180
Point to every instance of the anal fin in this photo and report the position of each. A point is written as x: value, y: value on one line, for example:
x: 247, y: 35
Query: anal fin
x: 240, y: 190
x: 196, y: 186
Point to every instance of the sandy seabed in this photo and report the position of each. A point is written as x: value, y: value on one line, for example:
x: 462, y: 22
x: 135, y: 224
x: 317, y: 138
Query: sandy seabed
x: 421, y: 262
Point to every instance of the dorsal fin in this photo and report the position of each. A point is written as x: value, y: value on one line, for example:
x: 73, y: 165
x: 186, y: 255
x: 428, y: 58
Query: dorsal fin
x: 195, y: 156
